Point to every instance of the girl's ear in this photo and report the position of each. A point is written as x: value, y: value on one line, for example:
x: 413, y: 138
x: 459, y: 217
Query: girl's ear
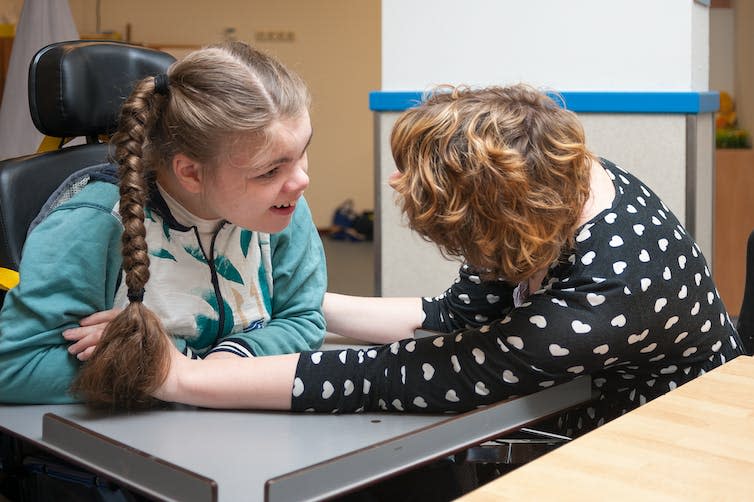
x: 188, y: 172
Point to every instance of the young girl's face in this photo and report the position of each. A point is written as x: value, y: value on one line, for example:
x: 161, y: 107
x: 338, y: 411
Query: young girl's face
x: 258, y: 189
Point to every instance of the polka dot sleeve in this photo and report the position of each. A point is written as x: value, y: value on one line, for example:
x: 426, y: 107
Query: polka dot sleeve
x: 469, y: 302
x: 454, y: 372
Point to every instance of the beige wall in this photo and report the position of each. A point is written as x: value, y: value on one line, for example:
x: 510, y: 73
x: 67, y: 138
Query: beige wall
x: 10, y: 10
x: 731, y: 43
x: 336, y: 48
x: 721, y: 49
x: 744, y: 67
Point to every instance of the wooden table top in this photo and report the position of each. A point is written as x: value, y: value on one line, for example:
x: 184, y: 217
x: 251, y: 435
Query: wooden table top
x: 693, y: 443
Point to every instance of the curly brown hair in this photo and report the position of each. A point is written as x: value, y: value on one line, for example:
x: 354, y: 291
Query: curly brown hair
x: 497, y: 176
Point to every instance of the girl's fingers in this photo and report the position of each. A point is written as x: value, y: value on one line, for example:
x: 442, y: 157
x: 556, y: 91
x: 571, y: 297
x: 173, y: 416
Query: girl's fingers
x: 90, y: 340
x: 86, y: 354
x: 102, y: 317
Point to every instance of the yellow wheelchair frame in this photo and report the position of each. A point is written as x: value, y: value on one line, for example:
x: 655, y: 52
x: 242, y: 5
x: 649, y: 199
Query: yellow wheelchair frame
x: 8, y: 279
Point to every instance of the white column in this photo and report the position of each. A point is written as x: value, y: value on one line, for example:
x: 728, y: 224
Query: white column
x: 618, y: 47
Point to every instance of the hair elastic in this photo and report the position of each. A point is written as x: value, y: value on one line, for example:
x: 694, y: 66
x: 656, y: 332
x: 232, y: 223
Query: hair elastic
x: 161, y: 84
x: 136, y: 296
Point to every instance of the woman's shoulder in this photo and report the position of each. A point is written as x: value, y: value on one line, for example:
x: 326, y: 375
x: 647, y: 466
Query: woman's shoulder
x: 629, y: 185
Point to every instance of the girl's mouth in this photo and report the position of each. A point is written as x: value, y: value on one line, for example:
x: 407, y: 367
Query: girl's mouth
x: 284, y: 209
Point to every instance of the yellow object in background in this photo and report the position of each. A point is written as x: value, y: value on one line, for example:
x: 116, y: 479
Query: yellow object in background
x: 8, y: 278
x: 726, y: 115
x: 50, y: 143
x: 104, y: 35
x: 727, y: 132
x: 7, y: 30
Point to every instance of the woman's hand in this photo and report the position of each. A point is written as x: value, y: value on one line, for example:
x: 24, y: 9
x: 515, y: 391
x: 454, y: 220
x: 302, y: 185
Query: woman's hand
x: 229, y: 382
x: 178, y: 365
x: 221, y: 355
x: 87, y: 336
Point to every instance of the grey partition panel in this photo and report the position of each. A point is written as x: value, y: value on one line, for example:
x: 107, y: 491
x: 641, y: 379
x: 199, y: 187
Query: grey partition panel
x: 368, y: 465
x: 137, y: 469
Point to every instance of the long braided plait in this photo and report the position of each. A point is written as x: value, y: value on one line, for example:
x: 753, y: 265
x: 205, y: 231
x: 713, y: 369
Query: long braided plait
x: 130, y: 361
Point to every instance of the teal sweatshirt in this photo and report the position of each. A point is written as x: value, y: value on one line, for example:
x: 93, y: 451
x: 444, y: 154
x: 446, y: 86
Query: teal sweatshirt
x: 251, y: 294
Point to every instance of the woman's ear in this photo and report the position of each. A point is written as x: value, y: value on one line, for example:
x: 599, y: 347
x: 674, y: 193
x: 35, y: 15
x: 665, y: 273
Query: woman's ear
x: 188, y: 172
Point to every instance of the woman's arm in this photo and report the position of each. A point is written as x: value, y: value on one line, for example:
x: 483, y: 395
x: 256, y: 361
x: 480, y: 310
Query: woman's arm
x: 255, y: 383
x: 478, y: 366
x: 373, y: 319
x: 470, y: 302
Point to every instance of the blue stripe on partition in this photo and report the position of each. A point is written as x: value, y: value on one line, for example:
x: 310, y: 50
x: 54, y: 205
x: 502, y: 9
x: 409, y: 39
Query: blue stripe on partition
x: 393, y: 101
x: 585, y: 101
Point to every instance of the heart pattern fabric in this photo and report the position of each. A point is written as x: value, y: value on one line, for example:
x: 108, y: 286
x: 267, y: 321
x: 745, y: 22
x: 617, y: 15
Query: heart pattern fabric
x: 632, y: 304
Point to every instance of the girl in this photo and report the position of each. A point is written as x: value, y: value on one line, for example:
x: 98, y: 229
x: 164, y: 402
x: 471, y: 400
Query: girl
x: 218, y: 248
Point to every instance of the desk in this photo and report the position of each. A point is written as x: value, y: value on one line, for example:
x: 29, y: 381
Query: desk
x: 184, y: 453
x: 694, y: 443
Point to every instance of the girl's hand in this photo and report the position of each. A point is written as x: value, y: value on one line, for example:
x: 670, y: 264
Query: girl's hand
x: 88, y: 335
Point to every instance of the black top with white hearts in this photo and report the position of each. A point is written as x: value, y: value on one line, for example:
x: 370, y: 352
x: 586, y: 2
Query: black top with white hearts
x: 633, y: 305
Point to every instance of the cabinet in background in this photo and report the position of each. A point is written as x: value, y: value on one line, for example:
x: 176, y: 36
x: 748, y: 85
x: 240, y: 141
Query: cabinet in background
x: 734, y: 220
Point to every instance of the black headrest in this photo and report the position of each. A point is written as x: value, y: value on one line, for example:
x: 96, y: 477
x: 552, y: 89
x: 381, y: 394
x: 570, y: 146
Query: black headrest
x: 76, y: 88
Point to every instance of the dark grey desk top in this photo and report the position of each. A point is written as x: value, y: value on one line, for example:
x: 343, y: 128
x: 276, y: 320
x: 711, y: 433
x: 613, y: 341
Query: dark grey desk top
x: 185, y: 453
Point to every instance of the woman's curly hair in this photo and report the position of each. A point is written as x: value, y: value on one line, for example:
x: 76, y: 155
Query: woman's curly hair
x: 498, y: 176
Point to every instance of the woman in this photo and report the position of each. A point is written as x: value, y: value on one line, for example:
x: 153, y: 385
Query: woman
x: 574, y: 267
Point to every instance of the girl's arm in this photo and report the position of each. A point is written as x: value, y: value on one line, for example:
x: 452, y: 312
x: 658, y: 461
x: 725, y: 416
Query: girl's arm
x: 470, y: 301
x: 373, y: 319
x: 63, y: 280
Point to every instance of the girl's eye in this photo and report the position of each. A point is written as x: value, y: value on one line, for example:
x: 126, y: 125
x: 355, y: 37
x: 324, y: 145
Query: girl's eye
x: 269, y: 174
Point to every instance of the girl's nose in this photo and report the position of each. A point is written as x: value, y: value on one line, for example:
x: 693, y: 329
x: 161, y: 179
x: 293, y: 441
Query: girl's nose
x: 299, y: 181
